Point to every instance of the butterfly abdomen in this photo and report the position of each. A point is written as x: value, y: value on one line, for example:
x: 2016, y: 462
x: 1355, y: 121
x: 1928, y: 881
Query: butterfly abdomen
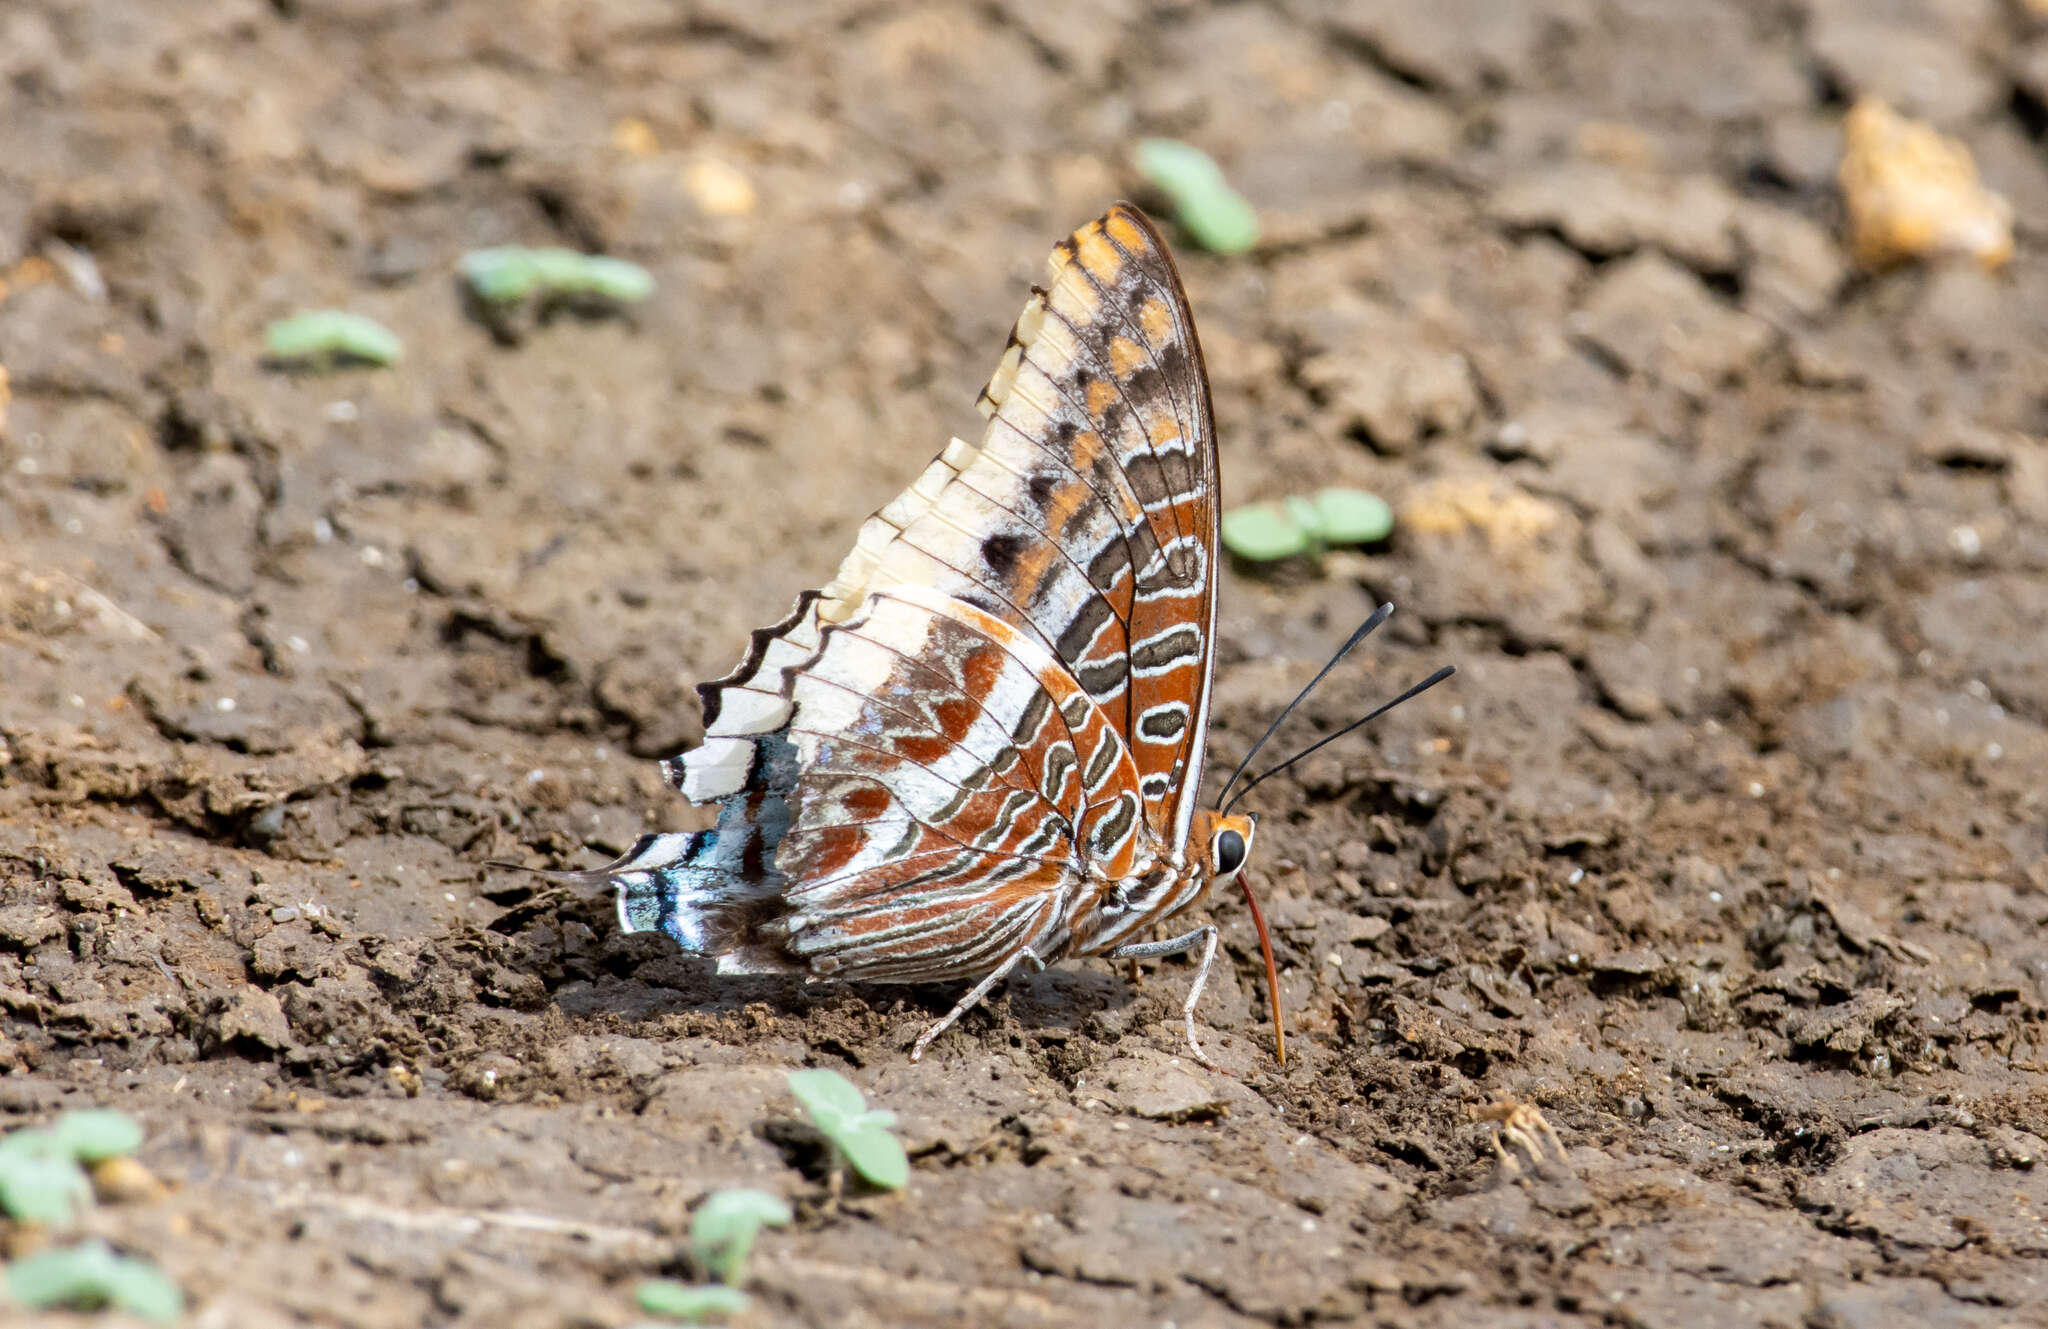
x: 662, y: 889
x: 713, y: 891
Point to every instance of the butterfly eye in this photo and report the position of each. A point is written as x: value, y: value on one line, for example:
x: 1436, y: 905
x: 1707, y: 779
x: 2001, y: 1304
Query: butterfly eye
x: 1228, y: 852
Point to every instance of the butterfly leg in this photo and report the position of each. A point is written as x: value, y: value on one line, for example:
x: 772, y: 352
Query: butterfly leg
x: 1181, y: 945
x: 971, y: 1000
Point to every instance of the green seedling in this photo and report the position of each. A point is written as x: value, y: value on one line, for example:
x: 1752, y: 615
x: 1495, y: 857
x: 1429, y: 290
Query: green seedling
x: 1217, y: 217
x: 324, y: 338
x: 723, y: 1231
x: 692, y: 1305
x: 509, y: 274
x: 40, y: 1180
x: 1268, y: 532
x: 97, y: 1133
x: 91, y: 1276
x: 40, y: 1177
x: 859, y: 1135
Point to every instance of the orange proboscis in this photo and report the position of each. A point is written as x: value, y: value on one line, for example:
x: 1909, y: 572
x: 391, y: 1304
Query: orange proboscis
x: 1244, y: 879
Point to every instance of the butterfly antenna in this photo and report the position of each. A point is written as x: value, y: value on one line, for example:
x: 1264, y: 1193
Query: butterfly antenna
x: 1365, y: 630
x: 1416, y: 691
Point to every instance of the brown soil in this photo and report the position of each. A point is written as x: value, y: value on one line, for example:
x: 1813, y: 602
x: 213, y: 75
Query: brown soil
x: 1726, y: 849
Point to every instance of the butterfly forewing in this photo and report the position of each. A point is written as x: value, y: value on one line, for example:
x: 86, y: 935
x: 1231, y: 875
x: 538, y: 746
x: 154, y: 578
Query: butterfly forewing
x: 1086, y: 516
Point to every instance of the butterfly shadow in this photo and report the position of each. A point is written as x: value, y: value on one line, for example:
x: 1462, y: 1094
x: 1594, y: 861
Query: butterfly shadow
x: 1073, y: 996
x: 642, y: 978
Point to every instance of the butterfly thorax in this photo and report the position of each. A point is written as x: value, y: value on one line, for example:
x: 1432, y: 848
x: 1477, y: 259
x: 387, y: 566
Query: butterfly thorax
x: 1128, y: 908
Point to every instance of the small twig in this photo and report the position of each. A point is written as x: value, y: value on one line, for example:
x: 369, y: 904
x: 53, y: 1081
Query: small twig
x: 468, y: 1222
x: 931, y: 1296
x: 46, y: 580
x: 1530, y: 1142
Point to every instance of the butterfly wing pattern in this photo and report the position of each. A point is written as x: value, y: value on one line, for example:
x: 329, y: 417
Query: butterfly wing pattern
x: 981, y: 743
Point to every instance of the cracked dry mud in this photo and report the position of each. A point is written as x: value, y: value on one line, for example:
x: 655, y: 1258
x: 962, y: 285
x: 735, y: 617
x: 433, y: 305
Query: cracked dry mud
x: 1724, y: 850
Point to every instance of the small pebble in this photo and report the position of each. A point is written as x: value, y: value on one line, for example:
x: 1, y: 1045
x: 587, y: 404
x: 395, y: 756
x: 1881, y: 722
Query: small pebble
x: 121, y: 1180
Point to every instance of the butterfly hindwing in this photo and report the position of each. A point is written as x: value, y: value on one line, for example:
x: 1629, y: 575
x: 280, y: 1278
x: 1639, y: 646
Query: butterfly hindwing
x: 948, y: 765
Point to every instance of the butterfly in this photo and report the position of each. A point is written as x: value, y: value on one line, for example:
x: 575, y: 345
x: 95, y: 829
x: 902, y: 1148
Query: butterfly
x: 980, y: 745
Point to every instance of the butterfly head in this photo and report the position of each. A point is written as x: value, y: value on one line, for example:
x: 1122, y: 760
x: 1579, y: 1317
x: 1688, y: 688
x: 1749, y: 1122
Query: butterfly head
x: 1228, y: 843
